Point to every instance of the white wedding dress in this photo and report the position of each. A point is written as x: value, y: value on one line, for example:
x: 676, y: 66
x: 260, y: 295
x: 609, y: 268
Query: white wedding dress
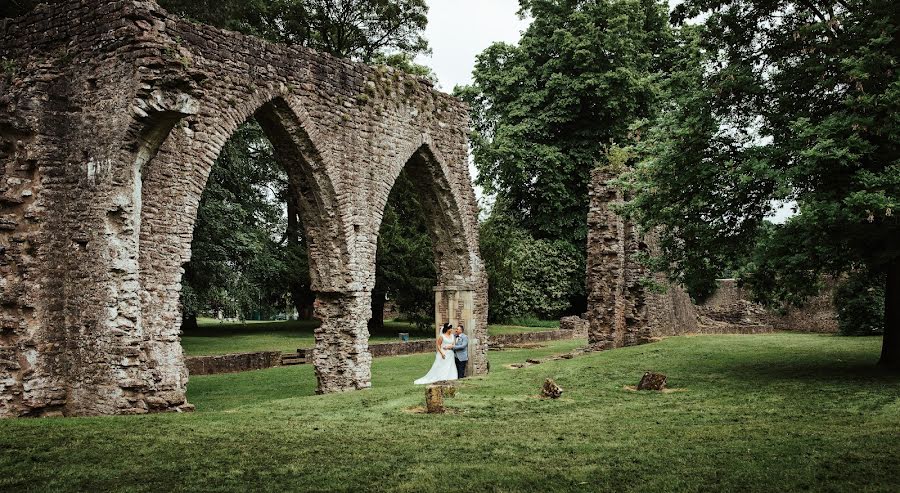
x: 443, y: 368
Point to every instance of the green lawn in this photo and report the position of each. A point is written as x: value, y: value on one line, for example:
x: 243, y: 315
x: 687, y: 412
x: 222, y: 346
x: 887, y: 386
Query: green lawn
x: 779, y: 412
x: 214, y: 337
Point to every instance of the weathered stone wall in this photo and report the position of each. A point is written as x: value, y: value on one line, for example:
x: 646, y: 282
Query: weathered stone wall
x: 731, y: 301
x: 624, y: 311
x: 578, y: 325
x: 111, y: 116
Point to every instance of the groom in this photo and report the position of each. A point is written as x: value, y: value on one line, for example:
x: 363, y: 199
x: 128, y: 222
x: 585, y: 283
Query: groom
x: 461, y: 351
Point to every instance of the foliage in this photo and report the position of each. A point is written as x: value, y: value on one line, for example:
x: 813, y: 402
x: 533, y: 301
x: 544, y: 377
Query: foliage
x: 238, y: 265
x: 528, y: 276
x: 859, y: 300
x: 789, y: 101
x: 545, y: 111
x: 405, y: 269
x: 355, y: 29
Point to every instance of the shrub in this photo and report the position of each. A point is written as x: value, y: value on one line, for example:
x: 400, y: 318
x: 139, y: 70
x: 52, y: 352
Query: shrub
x: 859, y: 301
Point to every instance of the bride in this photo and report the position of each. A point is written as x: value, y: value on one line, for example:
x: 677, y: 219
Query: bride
x: 443, y: 368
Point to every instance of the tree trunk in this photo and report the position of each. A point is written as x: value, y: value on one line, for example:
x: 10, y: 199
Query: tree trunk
x: 377, y: 320
x: 890, y: 346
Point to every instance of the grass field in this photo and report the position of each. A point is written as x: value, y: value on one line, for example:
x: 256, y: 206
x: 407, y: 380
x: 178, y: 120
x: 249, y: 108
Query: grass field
x: 780, y: 412
x: 214, y: 337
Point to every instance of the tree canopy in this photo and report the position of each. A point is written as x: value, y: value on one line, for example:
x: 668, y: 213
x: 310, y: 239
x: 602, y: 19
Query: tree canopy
x: 356, y: 29
x: 544, y: 112
x: 790, y: 101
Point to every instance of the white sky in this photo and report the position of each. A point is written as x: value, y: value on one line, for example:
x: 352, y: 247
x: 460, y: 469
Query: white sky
x: 458, y: 30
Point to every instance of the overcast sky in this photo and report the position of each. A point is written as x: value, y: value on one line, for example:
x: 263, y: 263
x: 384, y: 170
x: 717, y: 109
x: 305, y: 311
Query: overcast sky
x: 458, y: 30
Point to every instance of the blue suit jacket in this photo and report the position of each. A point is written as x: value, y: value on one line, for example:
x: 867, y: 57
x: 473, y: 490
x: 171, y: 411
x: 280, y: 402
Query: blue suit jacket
x: 461, y: 347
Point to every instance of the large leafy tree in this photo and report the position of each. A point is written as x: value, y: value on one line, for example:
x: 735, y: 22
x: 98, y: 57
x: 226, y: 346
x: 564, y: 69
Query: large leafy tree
x: 357, y: 29
x: 239, y: 264
x: 788, y: 100
x: 405, y: 270
x: 546, y: 110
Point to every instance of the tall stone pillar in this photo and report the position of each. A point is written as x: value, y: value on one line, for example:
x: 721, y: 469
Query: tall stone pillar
x: 605, y: 265
x: 456, y: 305
x: 341, y: 355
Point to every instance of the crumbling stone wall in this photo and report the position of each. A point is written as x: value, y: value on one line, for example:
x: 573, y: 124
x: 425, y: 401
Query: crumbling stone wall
x: 111, y: 116
x: 732, y: 302
x: 624, y: 310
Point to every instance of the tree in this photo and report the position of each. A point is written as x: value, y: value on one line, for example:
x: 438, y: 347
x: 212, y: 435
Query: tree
x: 357, y: 29
x: 791, y: 101
x: 529, y: 277
x: 546, y: 110
x: 405, y: 270
x: 239, y: 265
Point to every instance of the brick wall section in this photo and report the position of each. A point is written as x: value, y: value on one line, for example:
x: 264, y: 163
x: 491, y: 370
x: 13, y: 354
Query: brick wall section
x: 111, y: 116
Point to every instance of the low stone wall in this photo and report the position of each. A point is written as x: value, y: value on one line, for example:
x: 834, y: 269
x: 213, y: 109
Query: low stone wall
x: 231, y: 363
x: 537, y: 336
x: 731, y: 301
x: 427, y: 345
x: 578, y: 325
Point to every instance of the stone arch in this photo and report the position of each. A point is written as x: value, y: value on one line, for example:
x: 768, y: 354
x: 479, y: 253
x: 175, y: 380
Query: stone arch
x: 116, y: 153
x: 172, y: 183
x: 446, y: 223
x: 460, y: 281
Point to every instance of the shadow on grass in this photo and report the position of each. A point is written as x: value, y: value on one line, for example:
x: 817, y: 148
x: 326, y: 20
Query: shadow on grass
x: 811, y: 371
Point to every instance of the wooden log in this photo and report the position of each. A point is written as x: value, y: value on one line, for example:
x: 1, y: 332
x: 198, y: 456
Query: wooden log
x: 551, y: 390
x: 652, y: 381
x: 434, y: 399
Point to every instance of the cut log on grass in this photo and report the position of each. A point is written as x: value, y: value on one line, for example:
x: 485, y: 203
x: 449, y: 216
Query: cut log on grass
x: 551, y: 389
x: 652, y: 381
x: 434, y: 399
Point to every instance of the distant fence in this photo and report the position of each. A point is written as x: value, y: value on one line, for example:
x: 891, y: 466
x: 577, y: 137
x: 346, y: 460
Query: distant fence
x: 231, y: 363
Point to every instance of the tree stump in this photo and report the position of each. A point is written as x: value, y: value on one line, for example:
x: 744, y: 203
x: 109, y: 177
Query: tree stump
x: 551, y: 389
x: 434, y: 399
x: 652, y: 381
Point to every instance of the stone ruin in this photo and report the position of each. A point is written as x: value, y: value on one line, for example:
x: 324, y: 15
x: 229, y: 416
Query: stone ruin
x: 111, y: 116
x: 624, y: 311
